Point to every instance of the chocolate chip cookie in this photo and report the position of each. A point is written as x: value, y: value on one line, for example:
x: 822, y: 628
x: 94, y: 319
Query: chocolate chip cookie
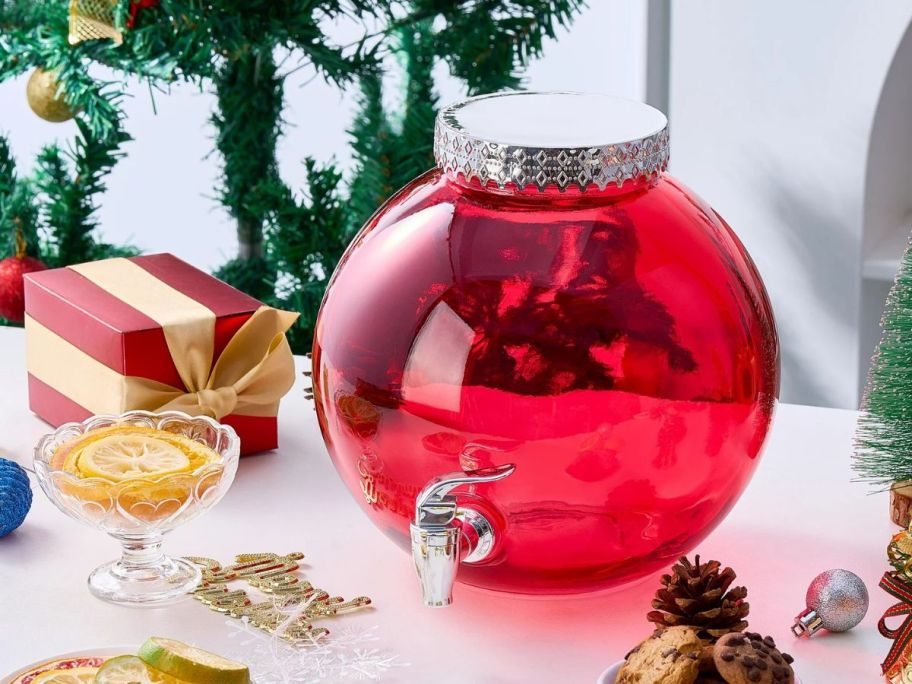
x: 748, y: 658
x: 670, y: 656
x: 705, y: 660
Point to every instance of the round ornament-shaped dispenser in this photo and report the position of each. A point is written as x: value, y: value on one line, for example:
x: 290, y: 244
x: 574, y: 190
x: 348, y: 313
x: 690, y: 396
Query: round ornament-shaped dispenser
x: 549, y: 297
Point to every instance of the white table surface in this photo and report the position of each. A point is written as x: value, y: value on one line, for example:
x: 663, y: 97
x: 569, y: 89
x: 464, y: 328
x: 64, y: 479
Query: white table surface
x: 799, y: 516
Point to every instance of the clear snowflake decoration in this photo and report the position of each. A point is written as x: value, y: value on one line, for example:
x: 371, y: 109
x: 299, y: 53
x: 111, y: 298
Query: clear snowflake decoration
x: 348, y: 655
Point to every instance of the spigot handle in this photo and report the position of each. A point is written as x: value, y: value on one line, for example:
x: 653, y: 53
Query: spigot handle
x: 433, y: 504
x: 437, y: 539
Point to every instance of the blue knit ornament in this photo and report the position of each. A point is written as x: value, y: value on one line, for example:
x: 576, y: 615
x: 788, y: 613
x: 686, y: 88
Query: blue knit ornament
x: 15, y: 496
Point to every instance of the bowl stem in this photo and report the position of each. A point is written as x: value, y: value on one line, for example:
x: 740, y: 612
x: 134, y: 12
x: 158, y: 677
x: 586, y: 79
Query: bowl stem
x: 143, y: 576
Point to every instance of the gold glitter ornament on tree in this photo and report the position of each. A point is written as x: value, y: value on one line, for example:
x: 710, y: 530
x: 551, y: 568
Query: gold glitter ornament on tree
x: 93, y: 20
x: 46, y: 98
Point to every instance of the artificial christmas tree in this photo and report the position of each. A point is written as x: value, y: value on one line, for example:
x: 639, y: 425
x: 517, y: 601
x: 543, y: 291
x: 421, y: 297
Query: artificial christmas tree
x: 289, y: 242
x: 883, y: 441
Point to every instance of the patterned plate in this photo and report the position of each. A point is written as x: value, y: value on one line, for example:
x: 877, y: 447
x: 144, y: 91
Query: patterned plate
x: 89, y: 658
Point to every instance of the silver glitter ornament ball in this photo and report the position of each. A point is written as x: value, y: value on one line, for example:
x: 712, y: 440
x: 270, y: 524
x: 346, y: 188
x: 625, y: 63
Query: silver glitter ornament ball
x: 837, y: 600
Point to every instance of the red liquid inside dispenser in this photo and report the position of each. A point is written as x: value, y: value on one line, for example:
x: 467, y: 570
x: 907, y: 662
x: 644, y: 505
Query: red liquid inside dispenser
x: 616, y: 345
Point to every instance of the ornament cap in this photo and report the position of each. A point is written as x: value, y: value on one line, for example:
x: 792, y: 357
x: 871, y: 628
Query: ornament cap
x: 556, y: 139
x: 807, y: 623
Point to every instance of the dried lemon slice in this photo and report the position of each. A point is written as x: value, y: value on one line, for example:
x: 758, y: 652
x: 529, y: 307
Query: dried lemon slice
x: 130, y: 456
x: 65, y: 456
x: 198, y: 453
x: 78, y: 455
x: 76, y: 675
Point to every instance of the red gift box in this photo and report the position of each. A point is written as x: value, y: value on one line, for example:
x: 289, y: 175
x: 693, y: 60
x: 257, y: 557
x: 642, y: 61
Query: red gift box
x: 153, y: 332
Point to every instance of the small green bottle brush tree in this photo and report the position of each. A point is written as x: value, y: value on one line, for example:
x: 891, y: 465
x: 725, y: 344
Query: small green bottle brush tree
x: 289, y: 240
x: 883, y: 440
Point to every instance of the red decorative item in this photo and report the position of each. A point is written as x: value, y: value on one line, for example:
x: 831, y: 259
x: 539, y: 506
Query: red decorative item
x: 899, y: 655
x: 551, y: 299
x: 135, y: 6
x: 35, y: 672
x: 82, y: 338
x: 12, y: 284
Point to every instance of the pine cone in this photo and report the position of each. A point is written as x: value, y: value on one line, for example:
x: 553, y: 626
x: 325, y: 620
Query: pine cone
x: 695, y: 595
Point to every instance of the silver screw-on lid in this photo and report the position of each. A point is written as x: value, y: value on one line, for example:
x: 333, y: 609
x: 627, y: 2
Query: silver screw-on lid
x: 551, y: 139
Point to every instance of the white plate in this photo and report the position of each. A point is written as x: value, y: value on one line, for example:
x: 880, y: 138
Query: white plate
x: 84, y: 653
x: 609, y: 675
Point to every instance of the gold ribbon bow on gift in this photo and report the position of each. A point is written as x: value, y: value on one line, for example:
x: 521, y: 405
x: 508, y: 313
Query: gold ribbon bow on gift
x: 250, y: 376
x: 254, y: 371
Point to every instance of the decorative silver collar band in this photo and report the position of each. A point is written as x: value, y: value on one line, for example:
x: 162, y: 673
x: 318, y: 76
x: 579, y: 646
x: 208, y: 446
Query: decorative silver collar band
x: 460, y: 153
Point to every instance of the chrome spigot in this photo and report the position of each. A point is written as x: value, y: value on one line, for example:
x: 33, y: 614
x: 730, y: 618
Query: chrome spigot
x: 445, y: 533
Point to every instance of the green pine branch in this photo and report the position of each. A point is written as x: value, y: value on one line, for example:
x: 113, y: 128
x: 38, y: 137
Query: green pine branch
x: 55, y: 207
x: 372, y: 143
x: 289, y: 244
x: 304, y: 239
x: 248, y: 121
x: 415, y: 140
x: 18, y: 208
x: 487, y: 43
x: 8, y: 176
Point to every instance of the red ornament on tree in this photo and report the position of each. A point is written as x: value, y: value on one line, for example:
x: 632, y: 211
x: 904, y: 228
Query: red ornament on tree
x: 137, y: 5
x: 12, y: 295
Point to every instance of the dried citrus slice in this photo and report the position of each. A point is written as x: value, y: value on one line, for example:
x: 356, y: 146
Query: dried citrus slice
x: 68, y: 456
x: 199, y: 454
x: 129, y: 669
x: 120, y: 457
x: 76, y: 675
x: 192, y: 664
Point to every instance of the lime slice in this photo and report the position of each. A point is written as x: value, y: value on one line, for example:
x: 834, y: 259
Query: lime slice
x: 129, y: 669
x: 130, y: 456
x: 191, y: 664
x: 76, y: 675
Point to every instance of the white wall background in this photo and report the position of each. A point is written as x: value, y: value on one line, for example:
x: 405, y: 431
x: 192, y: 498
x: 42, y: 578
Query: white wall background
x: 772, y: 106
x: 160, y: 197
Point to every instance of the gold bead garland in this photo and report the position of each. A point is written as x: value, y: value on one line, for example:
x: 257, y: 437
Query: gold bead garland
x: 295, y: 603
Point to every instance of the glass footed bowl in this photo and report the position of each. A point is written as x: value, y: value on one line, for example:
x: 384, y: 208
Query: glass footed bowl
x: 138, y: 512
